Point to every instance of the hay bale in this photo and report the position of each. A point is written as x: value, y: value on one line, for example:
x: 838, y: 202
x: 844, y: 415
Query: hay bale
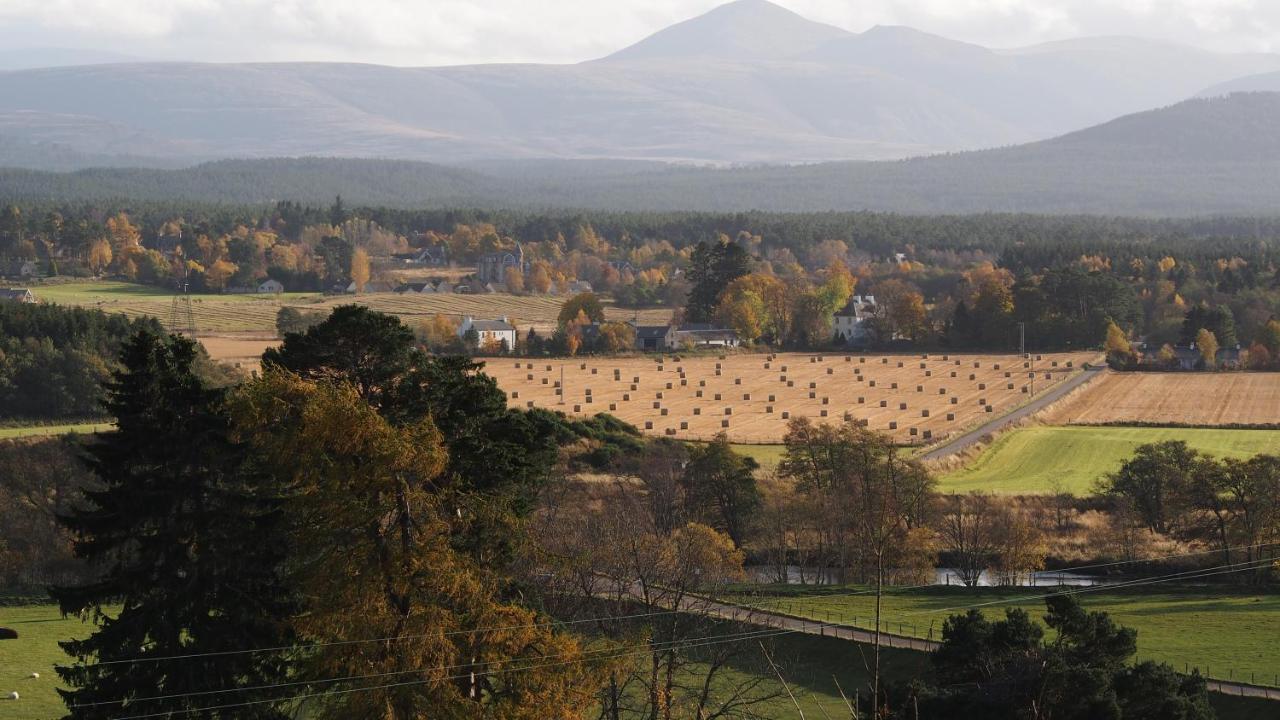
x: 951, y: 417
x: 861, y: 400
x: 900, y: 364
x: 862, y: 361
x: 893, y: 386
x: 831, y: 371
x: 871, y: 383
x: 663, y: 411
x: 884, y: 403
x: 1008, y: 386
x: 583, y: 366
x: 942, y: 391
x: 928, y: 373
x: 902, y: 406
x: 823, y: 413
x: 746, y: 396
x: 768, y: 409
x: 613, y: 406
x: 955, y: 400
x: 982, y: 401
x: 702, y: 383
x: 924, y: 365
x: 812, y: 394
x: 626, y: 397
x: 848, y: 358
x: 668, y: 386
x: 717, y: 373
x: 670, y: 431
x: 648, y: 424
x: 990, y: 409
x: 515, y: 394
x: 924, y: 413
x: 737, y: 381
x: 577, y: 408
x: 1025, y: 389
x: 724, y: 423
x: 771, y: 398
x: 658, y: 394
x: 786, y: 415
x: 697, y: 411
x: 982, y: 386
x: 544, y: 381
x: 826, y: 401
x: 928, y: 434
x: 728, y: 410
x: 684, y: 383
x: 996, y: 366
x: 684, y: 425
x: 656, y: 404
x: 528, y: 376
x: 717, y: 396
x: 893, y: 424
x: 791, y: 383
x: 697, y: 393
x: 594, y: 371
x: 919, y: 388
x: 912, y: 432
x: 973, y: 376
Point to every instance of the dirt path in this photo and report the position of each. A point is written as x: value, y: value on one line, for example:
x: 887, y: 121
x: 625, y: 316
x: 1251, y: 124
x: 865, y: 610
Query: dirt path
x: 1045, y: 399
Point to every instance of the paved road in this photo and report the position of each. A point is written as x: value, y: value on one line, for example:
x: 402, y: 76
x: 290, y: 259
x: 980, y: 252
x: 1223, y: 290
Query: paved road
x: 974, y: 436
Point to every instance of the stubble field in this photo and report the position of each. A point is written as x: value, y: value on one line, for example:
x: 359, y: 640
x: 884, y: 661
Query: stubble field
x: 914, y: 398
x: 1205, y: 399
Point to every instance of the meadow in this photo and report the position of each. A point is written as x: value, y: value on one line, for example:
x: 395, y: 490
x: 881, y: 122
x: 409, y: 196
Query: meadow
x: 1186, y: 399
x: 915, y: 398
x: 1227, y: 633
x: 1031, y: 459
x: 22, y: 431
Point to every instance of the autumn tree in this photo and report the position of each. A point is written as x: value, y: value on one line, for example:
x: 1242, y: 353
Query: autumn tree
x: 585, y: 304
x: 100, y: 256
x: 360, y: 271
x: 371, y: 521
x: 712, y: 267
x: 1119, y: 352
x: 513, y: 279
x: 1207, y: 344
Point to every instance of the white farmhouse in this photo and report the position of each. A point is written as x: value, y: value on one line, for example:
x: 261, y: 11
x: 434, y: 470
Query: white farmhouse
x: 272, y: 286
x: 489, y: 331
x: 851, y: 320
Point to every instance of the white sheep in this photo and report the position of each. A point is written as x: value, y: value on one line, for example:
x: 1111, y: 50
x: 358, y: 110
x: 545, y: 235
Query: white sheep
x: 13, y: 695
x: 35, y: 676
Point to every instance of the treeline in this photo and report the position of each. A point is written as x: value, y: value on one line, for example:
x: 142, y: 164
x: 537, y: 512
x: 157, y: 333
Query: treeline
x: 56, y: 361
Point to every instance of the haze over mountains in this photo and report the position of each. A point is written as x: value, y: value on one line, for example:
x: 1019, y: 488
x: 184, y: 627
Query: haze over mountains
x: 748, y: 82
x: 1200, y: 157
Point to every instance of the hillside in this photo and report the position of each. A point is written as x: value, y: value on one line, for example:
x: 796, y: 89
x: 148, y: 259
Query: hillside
x: 1199, y: 157
x: 748, y: 82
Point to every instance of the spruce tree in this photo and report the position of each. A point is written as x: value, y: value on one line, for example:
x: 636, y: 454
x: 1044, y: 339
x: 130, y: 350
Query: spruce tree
x: 186, y: 552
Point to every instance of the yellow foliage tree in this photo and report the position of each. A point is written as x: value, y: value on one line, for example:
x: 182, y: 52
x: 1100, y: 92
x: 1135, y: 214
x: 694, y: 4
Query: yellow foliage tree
x: 360, y: 271
x: 1207, y: 344
x: 371, y: 556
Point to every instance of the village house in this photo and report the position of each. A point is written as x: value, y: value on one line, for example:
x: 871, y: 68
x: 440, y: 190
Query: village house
x: 1188, y: 357
x: 489, y: 331
x: 492, y: 267
x: 24, y: 269
x: 851, y: 320
x: 271, y: 285
x: 22, y: 295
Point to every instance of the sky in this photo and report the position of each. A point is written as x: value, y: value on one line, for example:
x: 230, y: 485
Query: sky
x: 449, y: 32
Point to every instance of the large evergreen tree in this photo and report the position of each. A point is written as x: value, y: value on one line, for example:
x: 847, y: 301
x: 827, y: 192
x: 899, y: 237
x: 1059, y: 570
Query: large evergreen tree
x: 186, y: 549
x: 712, y: 266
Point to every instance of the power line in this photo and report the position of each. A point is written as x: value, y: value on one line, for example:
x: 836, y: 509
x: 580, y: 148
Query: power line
x: 650, y: 647
x: 657, y: 613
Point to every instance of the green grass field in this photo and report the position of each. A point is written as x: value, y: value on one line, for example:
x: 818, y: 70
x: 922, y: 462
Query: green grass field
x: 1229, y: 634
x: 9, y: 433
x: 1027, y: 460
x: 816, y: 670
x: 39, y: 627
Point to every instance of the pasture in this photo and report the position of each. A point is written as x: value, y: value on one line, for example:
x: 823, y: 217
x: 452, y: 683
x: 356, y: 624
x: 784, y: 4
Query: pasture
x: 22, y: 431
x: 1228, y: 633
x: 1029, y: 460
x: 222, y: 314
x: 39, y: 627
x: 914, y: 398
x: 1206, y: 399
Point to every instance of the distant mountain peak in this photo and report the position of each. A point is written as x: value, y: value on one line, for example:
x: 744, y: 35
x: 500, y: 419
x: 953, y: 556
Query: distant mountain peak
x: 741, y: 30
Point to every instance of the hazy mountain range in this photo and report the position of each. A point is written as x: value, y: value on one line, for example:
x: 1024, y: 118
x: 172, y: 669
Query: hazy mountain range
x: 1200, y: 157
x: 748, y: 82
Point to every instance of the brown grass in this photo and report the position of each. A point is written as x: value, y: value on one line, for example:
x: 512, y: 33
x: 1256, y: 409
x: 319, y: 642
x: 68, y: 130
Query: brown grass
x: 760, y: 419
x: 1182, y: 398
x: 239, y: 349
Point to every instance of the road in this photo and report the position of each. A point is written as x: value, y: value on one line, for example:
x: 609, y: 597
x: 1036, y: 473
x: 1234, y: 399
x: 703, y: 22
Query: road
x: 974, y: 436
x: 755, y: 616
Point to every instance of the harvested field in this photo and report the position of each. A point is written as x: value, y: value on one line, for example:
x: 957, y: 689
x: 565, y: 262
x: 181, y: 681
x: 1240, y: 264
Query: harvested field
x: 1208, y: 399
x: 914, y: 398
x: 238, y: 349
x: 220, y: 314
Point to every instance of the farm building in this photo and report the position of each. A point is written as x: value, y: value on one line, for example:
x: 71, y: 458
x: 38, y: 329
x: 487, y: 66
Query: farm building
x: 1188, y: 357
x: 705, y: 335
x: 851, y: 320
x: 271, y: 285
x: 489, y: 330
x: 21, y: 295
x: 655, y: 337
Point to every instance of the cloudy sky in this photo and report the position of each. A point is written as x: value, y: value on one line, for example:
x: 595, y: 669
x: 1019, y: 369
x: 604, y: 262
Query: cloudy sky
x: 435, y: 32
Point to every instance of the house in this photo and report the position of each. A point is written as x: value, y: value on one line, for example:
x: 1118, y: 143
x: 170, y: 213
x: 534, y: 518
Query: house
x: 22, y: 269
x: 1188, y: 357
x: 851, y: 320
x: 22, y: 295
x: 706, y: 335
x: 425, y: 257
x: 492, y: 267
x: 655, y: 337
x: 271, y: 285
x: 579, y: 286
x: 489, y: 331
x: 414, y: 288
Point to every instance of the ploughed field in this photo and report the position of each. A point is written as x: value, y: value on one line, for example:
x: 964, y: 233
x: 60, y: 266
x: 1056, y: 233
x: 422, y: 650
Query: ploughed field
x: 1185, y: 398
x: 914, y: 398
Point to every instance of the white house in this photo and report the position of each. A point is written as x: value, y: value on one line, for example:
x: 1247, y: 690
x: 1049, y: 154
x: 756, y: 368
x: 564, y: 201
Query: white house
x: 851, y: 320
x: 489, y: 331
x: 271, y: 285
x: 22, y: 295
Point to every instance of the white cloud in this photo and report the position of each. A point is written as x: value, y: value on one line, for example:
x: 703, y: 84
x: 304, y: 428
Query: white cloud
x: 428, y: 32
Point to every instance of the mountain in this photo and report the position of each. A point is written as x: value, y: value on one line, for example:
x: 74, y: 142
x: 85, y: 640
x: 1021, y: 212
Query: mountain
x: 743, y: 30
x: 1263, y: 82
x: 746, y: 83
x: 38, y: 57
x: 1199, y: 157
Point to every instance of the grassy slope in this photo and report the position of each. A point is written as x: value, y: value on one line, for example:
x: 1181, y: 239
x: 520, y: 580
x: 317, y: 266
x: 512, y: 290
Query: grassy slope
x: 1218, y: 629
x: 36, y: 650
x: 1028, y: 459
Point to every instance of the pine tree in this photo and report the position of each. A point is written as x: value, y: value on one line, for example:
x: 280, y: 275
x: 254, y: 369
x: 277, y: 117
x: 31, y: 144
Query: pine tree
x: 186, y: 550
